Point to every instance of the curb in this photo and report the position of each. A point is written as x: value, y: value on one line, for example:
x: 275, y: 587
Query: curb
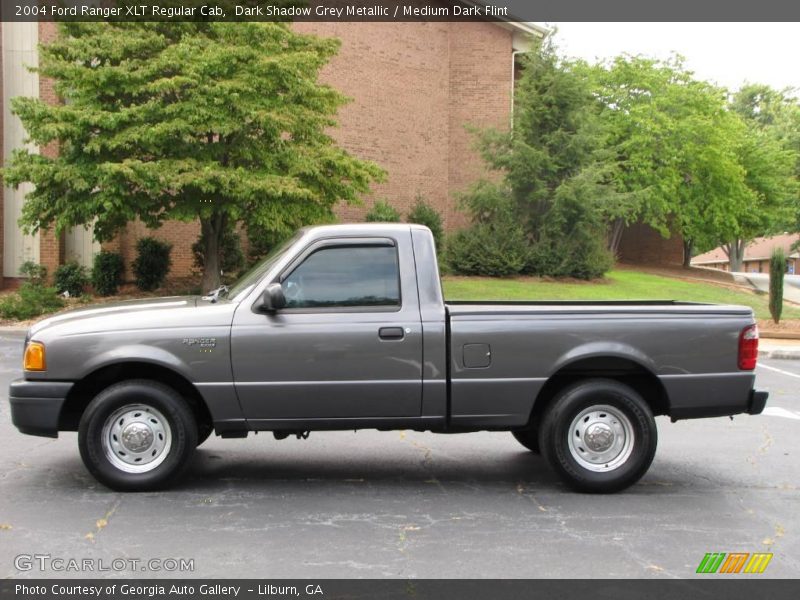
x: 13, y: 329
x: 782, y: 353
x: 779, y: 335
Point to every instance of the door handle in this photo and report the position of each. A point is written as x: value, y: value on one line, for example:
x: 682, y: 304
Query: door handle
x: 391, y: 333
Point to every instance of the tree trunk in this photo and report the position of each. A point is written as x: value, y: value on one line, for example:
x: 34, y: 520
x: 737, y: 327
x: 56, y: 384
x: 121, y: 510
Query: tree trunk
x: 688, y: 246
x: 615, y: 236
x: 735, y: 252
x: 212, y: 229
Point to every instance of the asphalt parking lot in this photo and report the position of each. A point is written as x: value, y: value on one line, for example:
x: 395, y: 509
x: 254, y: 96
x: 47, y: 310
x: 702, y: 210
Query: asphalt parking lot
x: 405, y: 504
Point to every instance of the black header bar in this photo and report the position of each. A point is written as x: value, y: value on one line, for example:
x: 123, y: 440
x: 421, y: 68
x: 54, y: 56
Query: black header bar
x: 513, y: 11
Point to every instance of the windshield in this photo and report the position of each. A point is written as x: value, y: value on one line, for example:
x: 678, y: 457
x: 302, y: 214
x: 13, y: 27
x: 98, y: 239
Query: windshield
x: 245, y: 283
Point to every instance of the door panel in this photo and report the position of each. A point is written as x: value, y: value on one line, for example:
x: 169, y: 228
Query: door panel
x: 317, y: 361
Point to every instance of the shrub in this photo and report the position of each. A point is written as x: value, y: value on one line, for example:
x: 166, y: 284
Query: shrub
x: 71, y: 278
x: 777, y: 269
x: 36, y: 274
x: 382, y: 212
x: 496, y: 244
x: 152, y: 263
x: 570, y: 242
x: 107, y: 273
x: 231, y: 255
x: 488, y: 250
x: 581, y: 258
x: 424, y: 214
x: 33, y: 298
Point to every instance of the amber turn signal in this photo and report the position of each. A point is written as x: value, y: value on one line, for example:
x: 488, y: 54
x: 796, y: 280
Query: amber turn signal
x: 34, y: 357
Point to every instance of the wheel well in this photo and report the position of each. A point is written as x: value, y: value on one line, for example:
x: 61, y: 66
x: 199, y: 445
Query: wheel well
x: 623, y: 370
x: 84, y: 391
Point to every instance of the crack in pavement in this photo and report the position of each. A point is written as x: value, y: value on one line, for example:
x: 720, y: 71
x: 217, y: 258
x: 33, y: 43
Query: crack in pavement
x: 102, y: 522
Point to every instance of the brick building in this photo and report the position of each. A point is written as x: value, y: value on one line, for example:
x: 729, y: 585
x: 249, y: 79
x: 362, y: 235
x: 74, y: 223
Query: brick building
x: 414, y: 89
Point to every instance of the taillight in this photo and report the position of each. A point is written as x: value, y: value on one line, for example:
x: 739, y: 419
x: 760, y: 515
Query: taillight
x: 748, y: 348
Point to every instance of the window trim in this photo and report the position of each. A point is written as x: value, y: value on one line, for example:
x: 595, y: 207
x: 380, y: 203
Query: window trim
x: 341, y: 242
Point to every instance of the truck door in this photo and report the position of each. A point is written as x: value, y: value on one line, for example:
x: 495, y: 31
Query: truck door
x: 347, y: 345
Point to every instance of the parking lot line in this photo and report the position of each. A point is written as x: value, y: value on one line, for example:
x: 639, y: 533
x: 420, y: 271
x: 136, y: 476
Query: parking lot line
x: 777, y: 370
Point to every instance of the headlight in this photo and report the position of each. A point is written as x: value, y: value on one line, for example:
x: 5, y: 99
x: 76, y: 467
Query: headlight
x: 34, y: 357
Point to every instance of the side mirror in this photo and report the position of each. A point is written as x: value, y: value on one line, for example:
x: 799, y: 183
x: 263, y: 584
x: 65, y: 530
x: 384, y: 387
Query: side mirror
x: 273, y: 298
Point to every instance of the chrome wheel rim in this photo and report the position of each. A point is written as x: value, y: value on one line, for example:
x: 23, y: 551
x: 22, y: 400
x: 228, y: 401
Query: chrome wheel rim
x: 601, y: 438
x: 136, y: 438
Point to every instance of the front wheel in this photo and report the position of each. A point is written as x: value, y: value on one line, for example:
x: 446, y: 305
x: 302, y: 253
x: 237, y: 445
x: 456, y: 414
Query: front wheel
x: 599, y: 435
x: 137, y: 435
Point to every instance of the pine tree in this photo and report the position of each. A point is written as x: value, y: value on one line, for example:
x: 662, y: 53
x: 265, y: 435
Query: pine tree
x: 777, y: 268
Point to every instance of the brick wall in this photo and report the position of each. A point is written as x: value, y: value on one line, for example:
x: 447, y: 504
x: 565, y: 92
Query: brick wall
x: 397, y: 75
x: 51, y: 245
x: 480, y: 96
x: 180, y: 234
x: 641, y: 244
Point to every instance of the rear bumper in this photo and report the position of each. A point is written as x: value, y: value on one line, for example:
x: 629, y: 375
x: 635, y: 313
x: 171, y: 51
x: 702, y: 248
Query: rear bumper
x: 758, y: 400
x: 712, y: 395
x: 36, y: 405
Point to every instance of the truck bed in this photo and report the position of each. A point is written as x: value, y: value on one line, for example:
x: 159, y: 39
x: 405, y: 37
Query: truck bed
x: 508, y: 351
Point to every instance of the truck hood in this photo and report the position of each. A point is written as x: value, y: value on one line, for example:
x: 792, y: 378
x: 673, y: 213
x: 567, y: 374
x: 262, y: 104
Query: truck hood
x: 138, y: 314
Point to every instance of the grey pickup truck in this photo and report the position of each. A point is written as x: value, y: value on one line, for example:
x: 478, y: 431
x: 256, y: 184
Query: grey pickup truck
x: 345, y: 327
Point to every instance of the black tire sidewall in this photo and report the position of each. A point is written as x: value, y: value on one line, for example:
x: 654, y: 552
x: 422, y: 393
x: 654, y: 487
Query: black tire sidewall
x: 164, y: 399
x: 568, y: 404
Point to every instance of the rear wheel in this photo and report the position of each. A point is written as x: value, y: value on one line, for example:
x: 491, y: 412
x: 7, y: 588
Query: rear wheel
x: 599, y: 435
x: 137, y: 435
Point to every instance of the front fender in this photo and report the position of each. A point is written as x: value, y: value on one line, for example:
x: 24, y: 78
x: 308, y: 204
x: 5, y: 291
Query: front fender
x: 141, y: 353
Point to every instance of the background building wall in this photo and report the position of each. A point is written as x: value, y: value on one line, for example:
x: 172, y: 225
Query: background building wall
x: 19, y: 51
x: 641, y: 244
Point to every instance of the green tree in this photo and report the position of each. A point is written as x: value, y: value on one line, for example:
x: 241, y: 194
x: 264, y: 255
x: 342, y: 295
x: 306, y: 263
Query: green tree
x: 220, y: 122
x: 770, y: 156
x: 676, y: 149
x: 555, y: 166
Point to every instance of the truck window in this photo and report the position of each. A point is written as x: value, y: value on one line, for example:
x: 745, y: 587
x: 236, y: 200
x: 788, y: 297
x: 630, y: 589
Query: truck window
x: 344, y: 277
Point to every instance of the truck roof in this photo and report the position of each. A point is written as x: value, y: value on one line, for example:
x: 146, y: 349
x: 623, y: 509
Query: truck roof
x: 362, y: 228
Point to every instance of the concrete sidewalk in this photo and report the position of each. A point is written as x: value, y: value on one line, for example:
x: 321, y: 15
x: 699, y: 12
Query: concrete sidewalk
x: 776, y: 348
x: 760, y: 283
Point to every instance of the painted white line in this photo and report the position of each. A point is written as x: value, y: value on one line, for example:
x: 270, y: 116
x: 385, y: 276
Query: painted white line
x: 777, y: 411
x: 781, y: 371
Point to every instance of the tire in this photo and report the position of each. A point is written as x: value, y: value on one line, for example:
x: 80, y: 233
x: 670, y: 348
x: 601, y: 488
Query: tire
x: 528, y: 438
x: 137, y: 435
x: 599, y: 435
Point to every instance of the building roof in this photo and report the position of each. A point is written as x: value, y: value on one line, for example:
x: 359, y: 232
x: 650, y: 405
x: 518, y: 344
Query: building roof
x: 514, y: 22
x: 759, y: 249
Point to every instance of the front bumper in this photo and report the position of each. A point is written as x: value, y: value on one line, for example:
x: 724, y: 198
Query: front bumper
x: 36, y: 405
x: 758, y: 400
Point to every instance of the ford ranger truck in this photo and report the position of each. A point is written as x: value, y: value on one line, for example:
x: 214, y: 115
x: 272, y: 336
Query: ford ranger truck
x: 345, y: 327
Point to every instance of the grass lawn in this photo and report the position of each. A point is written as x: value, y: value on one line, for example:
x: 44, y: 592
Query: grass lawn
x: 617, y: 285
